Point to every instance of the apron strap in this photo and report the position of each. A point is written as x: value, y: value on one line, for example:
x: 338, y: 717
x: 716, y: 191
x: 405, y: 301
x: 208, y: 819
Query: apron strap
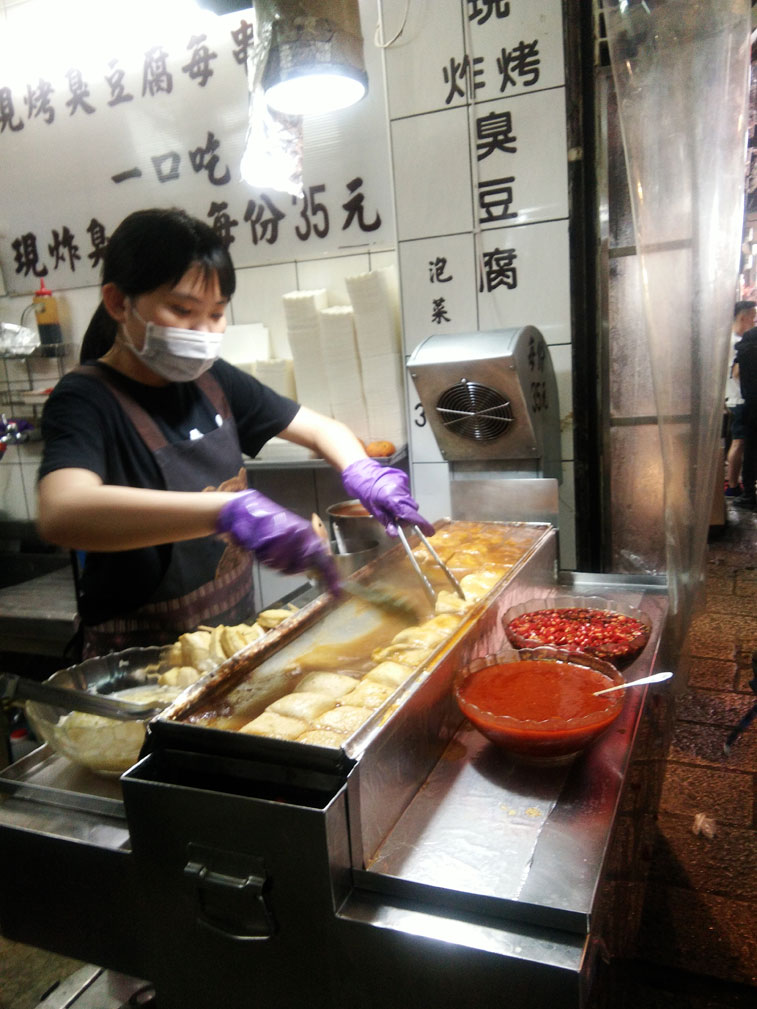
x: 212, y: 389
x: 149, y: 431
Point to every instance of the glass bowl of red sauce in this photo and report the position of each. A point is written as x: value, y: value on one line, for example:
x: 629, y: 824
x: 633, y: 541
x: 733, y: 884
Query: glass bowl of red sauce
x: 539, y: 704
x: 605, y: 628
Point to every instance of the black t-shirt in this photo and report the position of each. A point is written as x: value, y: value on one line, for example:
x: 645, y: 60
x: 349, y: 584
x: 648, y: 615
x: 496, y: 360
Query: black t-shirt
x: 84, y: 427
x: 746, y: 359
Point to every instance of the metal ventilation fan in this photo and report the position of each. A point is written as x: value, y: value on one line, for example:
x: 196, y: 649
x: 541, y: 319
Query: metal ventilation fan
x: 490, y: 398
x: 475, y: 411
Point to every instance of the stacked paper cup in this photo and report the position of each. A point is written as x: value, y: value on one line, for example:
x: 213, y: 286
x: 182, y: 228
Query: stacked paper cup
x: 278, y: 373
x: 342, y: 363
x: 378, y: 342
x: 301, y: 310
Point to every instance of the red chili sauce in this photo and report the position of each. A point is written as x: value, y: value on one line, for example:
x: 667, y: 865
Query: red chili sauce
x: 557, y: 695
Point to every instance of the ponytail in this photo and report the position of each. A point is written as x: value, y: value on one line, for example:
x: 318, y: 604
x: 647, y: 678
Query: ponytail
x: 99, y: 336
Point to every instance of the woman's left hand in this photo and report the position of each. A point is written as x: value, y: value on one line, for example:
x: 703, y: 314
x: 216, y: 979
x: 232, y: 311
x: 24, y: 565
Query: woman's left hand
x: 385, y: 492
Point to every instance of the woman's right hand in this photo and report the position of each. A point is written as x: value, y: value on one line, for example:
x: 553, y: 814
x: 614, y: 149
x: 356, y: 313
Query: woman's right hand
x: 279, y: 538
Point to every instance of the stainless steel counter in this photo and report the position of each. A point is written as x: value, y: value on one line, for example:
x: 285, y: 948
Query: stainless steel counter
x: 485, y: 888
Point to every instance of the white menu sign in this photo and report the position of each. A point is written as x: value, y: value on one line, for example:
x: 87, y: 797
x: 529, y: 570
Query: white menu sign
x: 165, y: 125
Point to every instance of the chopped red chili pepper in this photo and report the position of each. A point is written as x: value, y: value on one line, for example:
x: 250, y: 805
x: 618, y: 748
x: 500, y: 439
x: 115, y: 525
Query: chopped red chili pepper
x: 603, y: 633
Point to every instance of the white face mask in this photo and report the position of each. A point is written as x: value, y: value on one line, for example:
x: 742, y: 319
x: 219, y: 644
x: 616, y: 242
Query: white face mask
x: 178, y: 355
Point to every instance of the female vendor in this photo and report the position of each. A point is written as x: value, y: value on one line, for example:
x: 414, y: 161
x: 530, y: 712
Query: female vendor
x: 142, y: 466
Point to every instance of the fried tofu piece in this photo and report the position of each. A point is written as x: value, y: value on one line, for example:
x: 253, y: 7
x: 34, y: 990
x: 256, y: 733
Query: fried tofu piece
x: 321, y: 737
x: 448, y: 601
x: 389, y: 673
x: 345, y: 718
x: 275, y: 726
x: 195, y: 649
x: 179, y: 676
x: 475, y: 586
x: 369, y: 694
x: 335, y: 685
x: 216, y: 651
x: 272, y: 618
x: 405, y: 654
x: 304, y: 704
x: 174, y: 656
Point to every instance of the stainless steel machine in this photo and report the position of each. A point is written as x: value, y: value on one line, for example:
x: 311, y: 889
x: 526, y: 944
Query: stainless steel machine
x: 416, y: 861
x: 491, y: 401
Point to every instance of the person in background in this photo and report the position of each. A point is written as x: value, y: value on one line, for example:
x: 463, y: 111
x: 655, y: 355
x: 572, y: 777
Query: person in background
x: 746, y: 368
x: 142, y: 467
x: 744, y: 316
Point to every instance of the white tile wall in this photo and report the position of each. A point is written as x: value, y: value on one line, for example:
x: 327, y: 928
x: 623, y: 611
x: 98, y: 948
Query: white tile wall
x: 415, y: 63
x: 13, y: 502
x: 423, y: 445
x: 567, y: 534
x: 330, y: 273
x: 456, y: 257
x: 11, y: 308
x: 562, y: 363
x: 383, y: 260
x: 533, y: 28
x: 258, y: 299
x: 540, y: 184
x: 431, y: 489
x: 432, y: 174
x: 542, y: 295
x: 440, y: 195
x: 271, y: 586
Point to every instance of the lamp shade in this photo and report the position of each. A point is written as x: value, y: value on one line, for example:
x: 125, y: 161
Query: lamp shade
x: 315, y: 61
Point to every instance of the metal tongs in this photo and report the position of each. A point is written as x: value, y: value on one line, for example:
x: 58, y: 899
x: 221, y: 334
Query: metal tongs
x: 427, y: 586
x: 14, y: 687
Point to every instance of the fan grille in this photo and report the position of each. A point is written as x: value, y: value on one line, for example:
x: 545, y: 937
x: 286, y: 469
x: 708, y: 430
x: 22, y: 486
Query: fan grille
x: 474, y: 411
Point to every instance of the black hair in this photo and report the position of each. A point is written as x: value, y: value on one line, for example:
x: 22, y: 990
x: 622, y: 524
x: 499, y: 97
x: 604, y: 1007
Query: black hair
x: 150, y: 248
x: 743, y: 306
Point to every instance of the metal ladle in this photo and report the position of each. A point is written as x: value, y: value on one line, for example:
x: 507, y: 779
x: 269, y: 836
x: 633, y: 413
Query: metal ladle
x: 654, y: 678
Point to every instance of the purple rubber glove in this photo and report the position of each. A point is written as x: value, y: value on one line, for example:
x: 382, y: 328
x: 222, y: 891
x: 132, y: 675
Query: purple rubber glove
x: 385, y: 492
x: 280, y: 539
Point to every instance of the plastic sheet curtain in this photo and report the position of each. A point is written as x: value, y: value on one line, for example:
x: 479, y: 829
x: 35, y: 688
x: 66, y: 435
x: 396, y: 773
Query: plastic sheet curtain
x: 681, y: 72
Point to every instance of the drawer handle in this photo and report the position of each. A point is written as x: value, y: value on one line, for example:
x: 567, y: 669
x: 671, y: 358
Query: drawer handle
x: 232, y: 906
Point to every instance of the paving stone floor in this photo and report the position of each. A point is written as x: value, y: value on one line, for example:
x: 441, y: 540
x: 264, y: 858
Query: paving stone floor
x: 697, y: 944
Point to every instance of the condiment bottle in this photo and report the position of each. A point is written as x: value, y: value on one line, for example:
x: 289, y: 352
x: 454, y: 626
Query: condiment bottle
x: 48, y: 323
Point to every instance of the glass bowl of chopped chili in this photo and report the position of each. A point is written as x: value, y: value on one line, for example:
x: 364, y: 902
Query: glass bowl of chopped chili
x: 540, y: 704
x: 605, y: 628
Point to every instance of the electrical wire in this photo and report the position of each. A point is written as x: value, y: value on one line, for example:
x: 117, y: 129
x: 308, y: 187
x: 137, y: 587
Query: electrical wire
x: 379, y: 29
x: 28, y: 308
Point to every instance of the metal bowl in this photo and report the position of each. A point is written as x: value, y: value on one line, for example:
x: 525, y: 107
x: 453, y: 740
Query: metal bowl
x: 566, y: 719
x: 619, y: 657
x: 103, y: 745
x: 349, y: 556
x: 351, y: 523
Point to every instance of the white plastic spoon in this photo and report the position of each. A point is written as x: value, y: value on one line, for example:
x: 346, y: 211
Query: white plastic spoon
x: 654, y: 678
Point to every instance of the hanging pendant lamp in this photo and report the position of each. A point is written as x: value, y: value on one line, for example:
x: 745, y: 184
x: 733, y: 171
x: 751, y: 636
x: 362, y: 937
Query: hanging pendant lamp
x: 315, y: 56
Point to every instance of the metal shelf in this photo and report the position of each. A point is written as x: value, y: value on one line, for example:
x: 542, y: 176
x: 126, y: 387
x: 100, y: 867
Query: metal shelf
x: 314, y: 463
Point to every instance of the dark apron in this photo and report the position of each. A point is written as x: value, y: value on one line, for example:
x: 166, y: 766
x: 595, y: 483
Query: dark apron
x: 204, y: 464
